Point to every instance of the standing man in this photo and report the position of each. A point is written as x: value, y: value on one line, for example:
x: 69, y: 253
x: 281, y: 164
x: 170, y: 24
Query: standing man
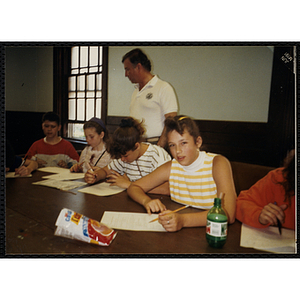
x: 153, y: 99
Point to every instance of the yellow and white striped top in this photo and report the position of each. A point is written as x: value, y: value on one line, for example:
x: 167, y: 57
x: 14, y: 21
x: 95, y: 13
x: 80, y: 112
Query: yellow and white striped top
x: 194, y: 185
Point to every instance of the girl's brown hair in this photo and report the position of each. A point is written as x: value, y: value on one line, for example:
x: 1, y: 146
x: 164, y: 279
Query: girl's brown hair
x: 288, y: 174
x: 180, y: 124
x: 95, y: 123
x: 125, y: 137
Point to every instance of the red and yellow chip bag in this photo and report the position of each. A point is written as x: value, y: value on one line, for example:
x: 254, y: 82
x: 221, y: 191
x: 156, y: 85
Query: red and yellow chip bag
x: 76, y: 226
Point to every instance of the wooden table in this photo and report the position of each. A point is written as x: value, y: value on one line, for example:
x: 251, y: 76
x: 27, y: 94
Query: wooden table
x: 32, y: 210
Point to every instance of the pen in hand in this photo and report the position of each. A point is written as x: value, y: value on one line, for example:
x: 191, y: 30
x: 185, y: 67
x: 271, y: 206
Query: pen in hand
x: 22, y: 163
x: 278, y: 222
x: 91, y: 169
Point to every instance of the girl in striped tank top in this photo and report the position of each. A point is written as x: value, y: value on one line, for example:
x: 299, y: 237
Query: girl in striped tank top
x: 195, y: 178
x: 132, y: 158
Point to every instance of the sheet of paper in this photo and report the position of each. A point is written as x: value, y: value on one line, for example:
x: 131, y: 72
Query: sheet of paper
x: 60, y: 173
x: 52, y: 169
x: 268, y: 239
x: 65, y: 176
x: 131, y: 221
x: 12, y: 175
x: 102, y: 189
x: 60, y: 184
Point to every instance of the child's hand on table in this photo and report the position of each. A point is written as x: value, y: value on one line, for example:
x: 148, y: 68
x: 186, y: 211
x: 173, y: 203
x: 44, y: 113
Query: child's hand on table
x: 91, y: 175
x: 22, y: 171
x: 119, y: 180
x: 271, y: 212
x: 62, y: 164
x: 77, y: 168
x: 171, y: 222
x: 154, y: 205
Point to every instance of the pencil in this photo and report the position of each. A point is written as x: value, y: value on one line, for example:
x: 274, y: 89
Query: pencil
x: 279, y: 226
x: 91, y: 169
x: 171, y: 212
x: 278, y: 222
x: 23, y: 162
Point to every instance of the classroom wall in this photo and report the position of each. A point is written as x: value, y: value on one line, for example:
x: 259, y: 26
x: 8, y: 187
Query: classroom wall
x: 229, y: 83
x: 28, y: 93
x: 235, y: 123
x: 29, y: 79
x: 205, y: 79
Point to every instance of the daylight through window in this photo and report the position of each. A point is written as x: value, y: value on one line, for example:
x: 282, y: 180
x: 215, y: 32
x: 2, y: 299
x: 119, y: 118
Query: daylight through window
x: 84, y: 88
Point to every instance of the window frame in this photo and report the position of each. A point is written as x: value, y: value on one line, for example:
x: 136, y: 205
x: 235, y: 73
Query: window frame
x: 61, y: 73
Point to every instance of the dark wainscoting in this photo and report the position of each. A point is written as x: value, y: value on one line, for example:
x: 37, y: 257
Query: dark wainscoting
x: 22, y: 129
x: 238, y: 141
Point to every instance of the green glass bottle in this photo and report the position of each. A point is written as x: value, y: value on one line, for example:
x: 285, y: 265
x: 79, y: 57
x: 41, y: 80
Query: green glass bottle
x: 216, y: 225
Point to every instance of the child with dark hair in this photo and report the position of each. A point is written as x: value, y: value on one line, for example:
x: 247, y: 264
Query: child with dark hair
x: 270, y: 199
x: 95, y: 153
x: 195, y: 178
x: 52, y: 150
x: 132, y: 158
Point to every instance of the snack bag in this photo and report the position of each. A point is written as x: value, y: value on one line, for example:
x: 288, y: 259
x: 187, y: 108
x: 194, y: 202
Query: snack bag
x: 76, y: 226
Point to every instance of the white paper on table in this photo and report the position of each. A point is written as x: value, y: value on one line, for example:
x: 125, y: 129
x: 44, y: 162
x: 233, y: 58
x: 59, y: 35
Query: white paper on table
x: 61, y: 173
x: 102, y: 189
x: 65, y: 176
x: 52, y: 169
x: 12, y: 175
x: 131, y: 221
x: 60, y: 184
x: 268, y: 239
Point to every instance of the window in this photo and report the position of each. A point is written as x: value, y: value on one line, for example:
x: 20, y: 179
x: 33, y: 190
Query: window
x: 80, y: 86
x: 85, y: 95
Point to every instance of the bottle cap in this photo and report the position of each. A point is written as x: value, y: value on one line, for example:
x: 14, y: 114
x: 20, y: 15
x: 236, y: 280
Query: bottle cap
x: 217, y: 201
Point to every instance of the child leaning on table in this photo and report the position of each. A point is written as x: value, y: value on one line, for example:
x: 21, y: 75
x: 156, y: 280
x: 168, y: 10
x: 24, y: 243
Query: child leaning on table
x: 132, y: 158
x: 270, y: 198
x: 195, y: 178
x: 95, y: 153
x: 52, y: 150
x: 13, y: 161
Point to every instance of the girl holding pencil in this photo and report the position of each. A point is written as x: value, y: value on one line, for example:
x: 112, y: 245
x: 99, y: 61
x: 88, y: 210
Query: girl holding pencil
x: 132, y: 158
x: 95, y: 153
x: 195, y: 178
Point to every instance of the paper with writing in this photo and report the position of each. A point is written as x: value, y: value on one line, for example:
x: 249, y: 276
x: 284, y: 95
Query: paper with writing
x: 131, y: 221
x: 52, y: 169
x: 60, y: 184
x: 61, y: 173
x: 102, y: 189
x: 12, y: 175
x: 268, y: 239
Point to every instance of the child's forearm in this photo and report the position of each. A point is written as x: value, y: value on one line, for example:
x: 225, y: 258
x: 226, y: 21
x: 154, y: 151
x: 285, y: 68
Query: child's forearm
x: 137, y: 194
x: 33, y: 165
x: 194, y: 219
x: 162, y: 189
x: 100, y: 174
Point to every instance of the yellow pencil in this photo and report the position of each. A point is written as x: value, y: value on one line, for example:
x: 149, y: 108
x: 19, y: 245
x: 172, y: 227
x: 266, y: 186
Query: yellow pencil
x: 91, y: 169
x: 171, y: 212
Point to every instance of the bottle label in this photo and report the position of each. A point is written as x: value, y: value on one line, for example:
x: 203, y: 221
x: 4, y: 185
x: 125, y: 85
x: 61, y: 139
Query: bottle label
x: 216, y: 229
